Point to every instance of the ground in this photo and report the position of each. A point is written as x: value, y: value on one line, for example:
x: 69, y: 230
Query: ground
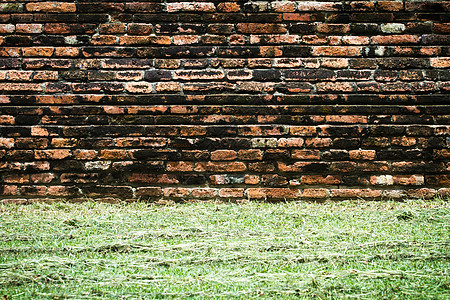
x: 293, y: 250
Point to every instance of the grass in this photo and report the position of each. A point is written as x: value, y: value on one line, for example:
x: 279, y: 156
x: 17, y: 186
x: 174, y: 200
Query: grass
x: 296, y: 250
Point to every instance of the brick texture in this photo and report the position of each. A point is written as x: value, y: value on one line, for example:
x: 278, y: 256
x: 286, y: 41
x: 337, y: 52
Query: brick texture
x: 264, y: 100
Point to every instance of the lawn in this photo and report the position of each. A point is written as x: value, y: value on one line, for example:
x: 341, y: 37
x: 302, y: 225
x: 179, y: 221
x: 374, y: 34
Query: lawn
x: 294, y: 250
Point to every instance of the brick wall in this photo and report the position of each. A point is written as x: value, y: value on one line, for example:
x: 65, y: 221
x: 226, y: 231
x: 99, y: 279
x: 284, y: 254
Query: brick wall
x: 228, y: 100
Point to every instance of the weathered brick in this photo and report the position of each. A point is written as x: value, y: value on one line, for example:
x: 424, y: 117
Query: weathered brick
x: 223, y: 155
x: 347, y: 51
x: 191, y: 7
x: 325, y: 97
x: 220, y: 167
x: 355, y: 193
x: 315, y: 193
x: 272, y: 193
x: 207, y: 193
x: 54, y: 7
x: 231, y: 193
x: 180, y: 166
x: 141, y: 87
x: 176, y: 192
x: 260, y: 28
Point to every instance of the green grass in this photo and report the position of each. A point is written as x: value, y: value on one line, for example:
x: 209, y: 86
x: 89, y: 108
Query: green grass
x: 296, y: 250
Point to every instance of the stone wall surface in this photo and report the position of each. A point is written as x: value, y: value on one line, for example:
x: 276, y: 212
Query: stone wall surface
x: 276, y: 100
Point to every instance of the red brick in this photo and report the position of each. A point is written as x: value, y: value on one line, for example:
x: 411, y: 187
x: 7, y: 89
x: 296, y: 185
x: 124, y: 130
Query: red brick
x: 31, y: 143
x: 301, y: 166
x: 7, y: 28
x: 444, y: 192
x: 29, y: 28
x: 220, y: 167
x: 6, y: 142
x: 112, y: 28
x: 168, y: 87
x: 139, y: 29
x: 333, y: 28
x: 153, y: 178
x: 303, y: 130
x: 55, y: 7
x: 191, y: 7
x: 16, y: 178
x: 321, y: 179
x: 283, y: 6
x: 252, y: 154
x: 290, y: 142
x: 318, y: 142
x: 42, y: 178
x: 337, y: 87
x: 231, y: 193
x: 251, y: 179
x: 437, y: 154
x: 316, y: 6
x: 335, y: 63
x: 58, y: 191
x: 84, y: 154
x: 355, y: 40
x: 408, y: 179
x: 395, y: 39
x: 362, y: 6
x: 52, y: 154
x: 37, y: 165
x: 7, y: 120
x: 130, y: 75
x: 141, y: 87
x: 443, y: 28
x: 206, y: 193
x: 389, y: 5
x: 185, y: 39
x: 79, y: 178
x: 180, y: 166
x: 33, y: 190
x: 176, y: 192
x: 347, y: 51
x: 110, y: 154
x: 348, y: 119
x: 199, y: 75
x: 8, y: 190
x: 104, y: 40
x: 355, y: 193
x: 272, y: 193
x: 145, y: 192
x: 223, y: 155
x: 362, y: 154
x: 23, y: 87
x: 440, y: 62
x: 423, y: 193
x: 153, y: 142
x: 260, y: 28
x: 228, y: 7
x: 67, y: 51
x: 315, y: 193
x: 306, y: 154
x: 192, y: 130
x: 261, y: 167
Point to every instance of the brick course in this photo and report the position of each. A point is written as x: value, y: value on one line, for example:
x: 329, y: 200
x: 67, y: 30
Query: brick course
x: 224, y: 100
